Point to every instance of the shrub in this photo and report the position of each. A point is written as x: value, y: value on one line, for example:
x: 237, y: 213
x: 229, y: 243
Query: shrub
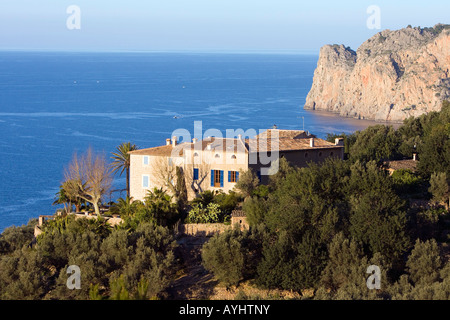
x: 248, y: 182
x: 14, y: 238
x: 424, y: 262
x: 233, y: 255
x: 143, y: 257
x: 405, y: 181
x: 200, y: 214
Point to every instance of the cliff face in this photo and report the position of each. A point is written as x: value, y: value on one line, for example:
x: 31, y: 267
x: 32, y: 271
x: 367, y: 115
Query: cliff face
x: 392, y: 76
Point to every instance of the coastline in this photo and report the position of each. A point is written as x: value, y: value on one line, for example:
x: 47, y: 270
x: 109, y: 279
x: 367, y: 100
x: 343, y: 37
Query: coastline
x: 369, y: 122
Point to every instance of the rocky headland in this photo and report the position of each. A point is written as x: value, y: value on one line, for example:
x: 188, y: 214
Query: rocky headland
x: 392, y: 76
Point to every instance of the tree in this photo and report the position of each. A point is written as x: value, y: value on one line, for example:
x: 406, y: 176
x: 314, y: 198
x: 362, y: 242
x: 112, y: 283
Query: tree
x: 196, y: 174
x: 232, y: 256
x: 125, y: 207
x: 376, y: 143
x: 255, y: 209
x: 121, y: 161
x: 346, y: 265
x: 311, y: 197
x: 377, y: 216
x: 165, y: 172
x: 88, y: 177
x: 284, y: 168
x: 440, y: 188
x: 405, y: 181
x: 248, y: 182
x: 434, y: 151
x: 181, y: 190
x: 424, y: 262
x: 161, y: 206
x: 67, y: 199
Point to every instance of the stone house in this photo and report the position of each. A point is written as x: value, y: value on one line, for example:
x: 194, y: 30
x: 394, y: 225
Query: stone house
x: 214, y: 163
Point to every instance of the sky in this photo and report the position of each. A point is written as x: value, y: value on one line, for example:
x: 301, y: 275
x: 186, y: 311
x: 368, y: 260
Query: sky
x: 205, y: 25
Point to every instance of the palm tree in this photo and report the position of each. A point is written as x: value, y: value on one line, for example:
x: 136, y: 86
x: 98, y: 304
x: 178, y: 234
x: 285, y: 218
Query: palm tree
x: 63, y: 196
x: 161, y: 205
x: 121, y: 161
x: 125, y: 207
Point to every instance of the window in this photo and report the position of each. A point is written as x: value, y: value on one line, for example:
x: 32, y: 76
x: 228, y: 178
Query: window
x: 217, y: 155
x: 195, y: 173
x: 145, y: 181
x: 233, y: 157
x: 320, y: 154
x: 145, y: 160
x: 217, y: 178
x: 195, y: 154
x: 233, y: 176
x: 306, y: 154
x: 258, y: 174
x: 331, y: 154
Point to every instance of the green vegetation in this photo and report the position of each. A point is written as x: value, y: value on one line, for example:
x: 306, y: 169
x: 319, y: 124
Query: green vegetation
x: 137, y: 259
x: 88, y: 177
x: 427, y: 135
x: 121, y: 161
x: 200, y: 214
x: 437, y: 29
x: 440, y: 188
x: 140, y: 261
x: 320, y: 227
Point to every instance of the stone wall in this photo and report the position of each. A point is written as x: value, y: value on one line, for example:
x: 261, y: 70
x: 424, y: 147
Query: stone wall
x: 202, y: 229
x: 38, y: 230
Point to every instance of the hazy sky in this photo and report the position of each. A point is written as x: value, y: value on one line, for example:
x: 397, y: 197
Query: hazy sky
x: 205, y: 25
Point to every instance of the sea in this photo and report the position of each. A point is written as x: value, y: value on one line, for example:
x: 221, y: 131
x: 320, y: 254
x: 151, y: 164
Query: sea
x: 53, y: 104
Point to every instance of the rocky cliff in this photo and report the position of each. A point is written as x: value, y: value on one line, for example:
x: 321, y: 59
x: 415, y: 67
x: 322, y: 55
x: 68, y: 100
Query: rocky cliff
x: 392, y: 76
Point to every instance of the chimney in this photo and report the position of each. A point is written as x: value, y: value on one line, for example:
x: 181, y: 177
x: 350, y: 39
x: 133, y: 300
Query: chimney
x: 240, y: 136
x: 208, y: 146
x: 311, y: 142
x: 174, y: 141
x: 339, y: 142
x: 194, y: 140
x: 167, y: 142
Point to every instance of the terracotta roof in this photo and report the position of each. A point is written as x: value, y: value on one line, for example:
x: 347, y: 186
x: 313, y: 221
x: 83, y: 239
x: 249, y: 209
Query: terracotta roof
x: 287, y: 140
x: 263, y: 145
x: 408, y: 164
x: 270, y: 140
x: 220, y: 144
x: 167, y: 150
x: 278, y: 133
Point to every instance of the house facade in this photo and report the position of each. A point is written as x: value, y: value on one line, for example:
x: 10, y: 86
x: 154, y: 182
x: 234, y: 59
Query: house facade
x: 214, y: 163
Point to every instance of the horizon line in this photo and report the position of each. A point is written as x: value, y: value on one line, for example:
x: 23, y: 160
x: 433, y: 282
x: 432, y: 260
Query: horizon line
x: 186, y: 51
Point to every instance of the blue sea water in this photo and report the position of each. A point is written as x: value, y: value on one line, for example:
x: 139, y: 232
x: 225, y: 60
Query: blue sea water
x: 52, y: 104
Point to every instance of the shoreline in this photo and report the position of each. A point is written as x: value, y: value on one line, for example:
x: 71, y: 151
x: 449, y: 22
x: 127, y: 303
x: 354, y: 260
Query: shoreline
x: 332, y: 114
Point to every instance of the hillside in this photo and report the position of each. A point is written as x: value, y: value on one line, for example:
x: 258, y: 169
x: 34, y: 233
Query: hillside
x: 392, y: 76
